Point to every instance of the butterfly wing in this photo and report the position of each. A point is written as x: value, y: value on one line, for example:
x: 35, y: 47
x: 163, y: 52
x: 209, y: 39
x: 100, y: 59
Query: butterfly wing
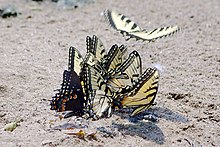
x: 95, y: 50
x: 120, y: 22
x: 130, y: 69
x: 129, y: 28
x: 75, y: 60
x: 142, y: 94
x: 70, y: 97
x: 115, y: 57
x: 98, y: 48
x: 96, y: 91
x: 96, y: 53
x: 153, y: 34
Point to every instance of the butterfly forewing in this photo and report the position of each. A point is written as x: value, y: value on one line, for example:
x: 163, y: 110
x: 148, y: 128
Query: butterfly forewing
x: 99, y: 48
x: 75, y: 60
x: 130, y: 69
x: 95, y: 50
x: 120, y: 22
x: 115, y: 57
x: 127, y: 73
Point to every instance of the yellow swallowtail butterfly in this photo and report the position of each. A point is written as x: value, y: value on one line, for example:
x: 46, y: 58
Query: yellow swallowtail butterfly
x: 129, y: 28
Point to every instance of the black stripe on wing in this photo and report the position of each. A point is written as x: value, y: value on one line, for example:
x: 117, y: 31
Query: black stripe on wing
x: 142, y: 94
x: 75, y: 60
x: 120, y: 22
x: 97, y: 93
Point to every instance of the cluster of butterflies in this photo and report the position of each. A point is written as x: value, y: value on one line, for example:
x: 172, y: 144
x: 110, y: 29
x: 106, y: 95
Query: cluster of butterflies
x: 99, y: 82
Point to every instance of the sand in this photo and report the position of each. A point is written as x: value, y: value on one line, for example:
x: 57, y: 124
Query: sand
x: 34, y: 53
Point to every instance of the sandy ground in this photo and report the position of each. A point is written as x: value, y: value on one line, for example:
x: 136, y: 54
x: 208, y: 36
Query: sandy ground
x: 34, y: 53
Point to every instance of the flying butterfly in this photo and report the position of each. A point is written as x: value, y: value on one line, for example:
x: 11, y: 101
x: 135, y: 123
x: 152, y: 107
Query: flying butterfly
x: 129, y: 28
x: 142, y: 93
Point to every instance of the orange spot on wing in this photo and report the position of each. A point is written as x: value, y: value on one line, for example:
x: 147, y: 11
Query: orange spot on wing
x: 75, y: 96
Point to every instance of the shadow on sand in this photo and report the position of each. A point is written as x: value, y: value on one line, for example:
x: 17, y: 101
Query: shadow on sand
x: 145, y: 130
x: 148, y: 130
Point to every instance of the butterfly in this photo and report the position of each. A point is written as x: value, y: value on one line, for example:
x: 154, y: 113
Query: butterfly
x: 97, y: 92
x: 70, y: 97
x: 129, y: 28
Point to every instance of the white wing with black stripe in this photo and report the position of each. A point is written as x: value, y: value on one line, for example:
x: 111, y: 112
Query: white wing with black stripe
x: 129, y: 28
x: 142, y: 93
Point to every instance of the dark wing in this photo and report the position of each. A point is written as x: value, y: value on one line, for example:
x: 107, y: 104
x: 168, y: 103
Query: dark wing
x: 70, y: 97
x: 127, y: 27
x: 142, y: 94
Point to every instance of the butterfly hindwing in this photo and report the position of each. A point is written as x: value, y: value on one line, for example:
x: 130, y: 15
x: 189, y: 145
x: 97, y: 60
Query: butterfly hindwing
x: 70, y: 97
x: 142, y: 94
x: 154, y: 34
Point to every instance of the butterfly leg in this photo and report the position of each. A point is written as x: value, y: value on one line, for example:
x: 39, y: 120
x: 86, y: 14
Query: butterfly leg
x: 149, y: 116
